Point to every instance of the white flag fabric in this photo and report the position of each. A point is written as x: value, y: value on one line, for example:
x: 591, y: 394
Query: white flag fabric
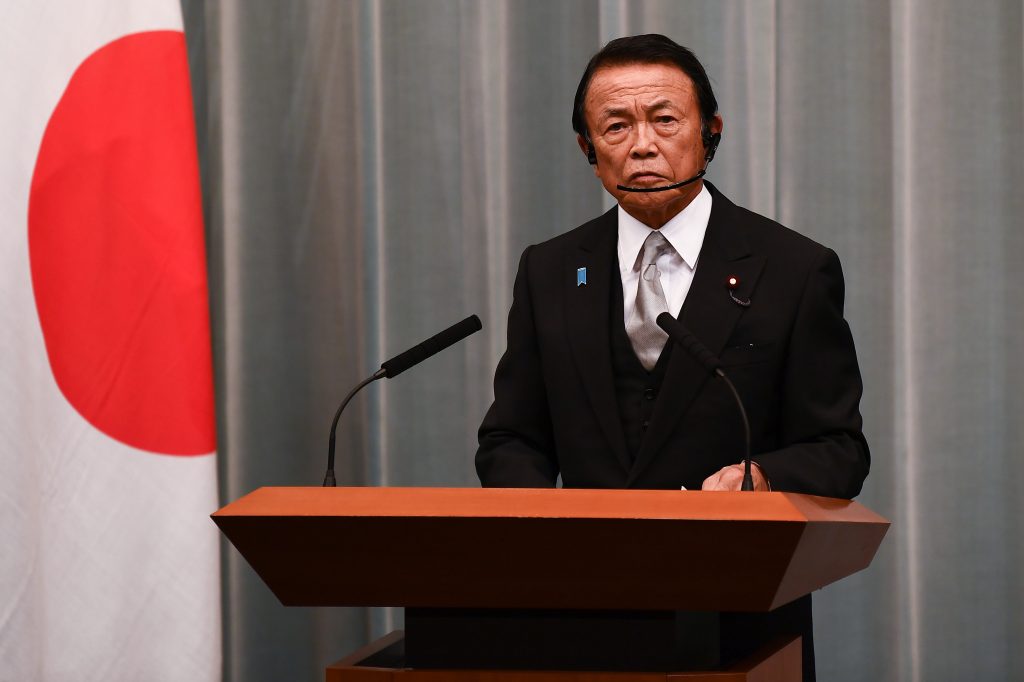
x: 109, y: 564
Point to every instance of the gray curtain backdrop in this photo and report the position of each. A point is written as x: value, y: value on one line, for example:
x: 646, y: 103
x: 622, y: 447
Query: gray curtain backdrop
x: 372, y: 171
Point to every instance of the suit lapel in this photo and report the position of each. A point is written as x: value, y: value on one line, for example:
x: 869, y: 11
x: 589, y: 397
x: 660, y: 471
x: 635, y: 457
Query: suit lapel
x: 710, y: 314
x: 587, y: 323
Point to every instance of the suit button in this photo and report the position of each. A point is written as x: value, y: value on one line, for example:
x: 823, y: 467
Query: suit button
x: 645, y: 425
x: 650, y: 393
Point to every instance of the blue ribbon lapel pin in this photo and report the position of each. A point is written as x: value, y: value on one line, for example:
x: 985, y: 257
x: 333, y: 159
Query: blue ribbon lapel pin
x: 581, y: 276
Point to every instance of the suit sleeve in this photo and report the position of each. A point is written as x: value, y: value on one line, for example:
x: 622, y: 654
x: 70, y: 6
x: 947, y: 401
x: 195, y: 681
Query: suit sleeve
x: 821, y: 389
x: 516, y: 444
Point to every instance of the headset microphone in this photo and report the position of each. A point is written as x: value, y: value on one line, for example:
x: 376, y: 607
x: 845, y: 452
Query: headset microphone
x: 710, y: 142
x: 675, y: 185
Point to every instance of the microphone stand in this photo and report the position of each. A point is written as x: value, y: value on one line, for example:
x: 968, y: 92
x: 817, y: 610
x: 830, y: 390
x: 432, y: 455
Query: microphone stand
x: 692, y: 345
x: 398, y: 364
x: 329, y: 481
x: 748, y: 477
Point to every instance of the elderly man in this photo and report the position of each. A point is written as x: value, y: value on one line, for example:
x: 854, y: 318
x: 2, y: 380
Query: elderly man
x: 589, y: 389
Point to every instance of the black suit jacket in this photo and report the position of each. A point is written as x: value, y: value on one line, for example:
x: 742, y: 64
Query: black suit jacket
x: 790, y: 354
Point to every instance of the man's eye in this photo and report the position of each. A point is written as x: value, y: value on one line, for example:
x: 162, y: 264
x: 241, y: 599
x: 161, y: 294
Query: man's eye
x: 665, y: 119
x: 616, y: 127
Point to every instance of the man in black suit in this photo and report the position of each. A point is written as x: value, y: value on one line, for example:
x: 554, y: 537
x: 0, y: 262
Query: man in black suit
x: 588, y: 388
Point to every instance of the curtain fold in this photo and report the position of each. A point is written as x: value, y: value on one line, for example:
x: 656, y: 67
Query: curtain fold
x: 373, y: 169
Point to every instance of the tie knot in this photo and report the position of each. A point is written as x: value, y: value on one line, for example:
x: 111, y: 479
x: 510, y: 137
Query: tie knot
x: 645, y: 335
x: 654, y: 246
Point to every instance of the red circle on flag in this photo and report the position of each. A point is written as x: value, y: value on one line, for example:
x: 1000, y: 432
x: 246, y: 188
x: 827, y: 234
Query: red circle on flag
x: 116, y: 248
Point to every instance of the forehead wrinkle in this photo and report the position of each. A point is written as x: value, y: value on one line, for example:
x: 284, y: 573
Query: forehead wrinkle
x: 664, y: 103
x: 614, y: 111
x: 609, y: 112
x: 625, y: 93
x: 625, y: 98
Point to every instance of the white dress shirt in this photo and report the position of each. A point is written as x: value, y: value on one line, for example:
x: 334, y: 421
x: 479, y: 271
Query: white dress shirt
x: 685, y: 233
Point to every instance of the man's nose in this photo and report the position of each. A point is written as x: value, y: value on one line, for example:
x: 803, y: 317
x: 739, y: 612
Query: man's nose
x: 643, y: 142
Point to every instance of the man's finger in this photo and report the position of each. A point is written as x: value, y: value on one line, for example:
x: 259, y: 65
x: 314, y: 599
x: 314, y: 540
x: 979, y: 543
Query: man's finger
x: 710, y: 482
x: 729, y: 478
x: 714, y: 481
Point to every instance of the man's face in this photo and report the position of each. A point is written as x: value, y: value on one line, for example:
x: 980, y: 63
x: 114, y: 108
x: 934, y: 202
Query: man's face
x: 644, y: 121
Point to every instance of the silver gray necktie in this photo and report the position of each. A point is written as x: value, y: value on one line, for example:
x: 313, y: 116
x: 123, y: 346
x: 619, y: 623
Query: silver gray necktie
x: 644, y: 333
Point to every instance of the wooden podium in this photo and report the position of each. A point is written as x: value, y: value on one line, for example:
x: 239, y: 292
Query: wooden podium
x: 506, y: 585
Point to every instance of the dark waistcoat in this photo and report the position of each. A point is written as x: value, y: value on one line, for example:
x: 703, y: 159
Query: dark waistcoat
x: 636, y: 389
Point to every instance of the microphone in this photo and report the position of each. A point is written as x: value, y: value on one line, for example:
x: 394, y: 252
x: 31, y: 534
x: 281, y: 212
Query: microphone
x: 666, y: 188
x: 435, y: 344
x: 395, y: 366
x: 692, y: 345
x: 711, y: 143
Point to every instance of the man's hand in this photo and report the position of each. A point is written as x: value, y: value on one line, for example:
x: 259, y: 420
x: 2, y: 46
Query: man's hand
x: 731, y: 478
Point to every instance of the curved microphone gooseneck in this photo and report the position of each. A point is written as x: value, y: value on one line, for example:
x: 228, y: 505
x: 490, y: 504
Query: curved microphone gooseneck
x: 395, y: 366
x: 692, y: 345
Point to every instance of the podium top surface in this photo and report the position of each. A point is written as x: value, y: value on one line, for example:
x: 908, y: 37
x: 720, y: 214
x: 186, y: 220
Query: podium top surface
x: 548, y: 548
x: 546, y: 503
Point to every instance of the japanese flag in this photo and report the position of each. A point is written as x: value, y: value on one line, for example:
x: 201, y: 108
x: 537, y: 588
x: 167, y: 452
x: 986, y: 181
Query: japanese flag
x: 108, y: 560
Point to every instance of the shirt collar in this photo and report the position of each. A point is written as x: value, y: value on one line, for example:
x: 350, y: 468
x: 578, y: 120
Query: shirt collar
x: 685, y: 232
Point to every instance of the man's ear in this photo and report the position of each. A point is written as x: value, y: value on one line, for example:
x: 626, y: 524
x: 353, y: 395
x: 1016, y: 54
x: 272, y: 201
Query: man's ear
x: 712, y: 138
x: 717, y: 124
x: 582, y: 142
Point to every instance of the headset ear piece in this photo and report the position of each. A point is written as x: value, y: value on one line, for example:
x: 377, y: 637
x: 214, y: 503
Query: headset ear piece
x: 587, y: 146
x: 711, y: 144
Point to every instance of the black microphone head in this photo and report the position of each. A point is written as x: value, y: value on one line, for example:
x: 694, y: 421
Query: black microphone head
x: 681, y: 335
x: 470, y: 325
x: 435, y: 344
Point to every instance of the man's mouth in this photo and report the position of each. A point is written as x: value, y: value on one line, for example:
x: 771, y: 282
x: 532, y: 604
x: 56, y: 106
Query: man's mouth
x: 645, y: 178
